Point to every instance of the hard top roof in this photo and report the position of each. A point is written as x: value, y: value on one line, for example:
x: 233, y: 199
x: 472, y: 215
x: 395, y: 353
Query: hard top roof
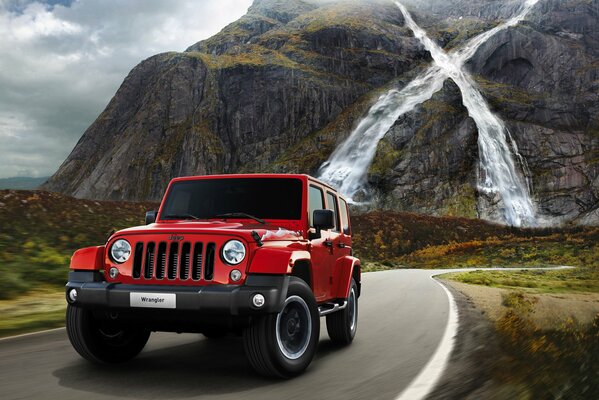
x: 230, y: 176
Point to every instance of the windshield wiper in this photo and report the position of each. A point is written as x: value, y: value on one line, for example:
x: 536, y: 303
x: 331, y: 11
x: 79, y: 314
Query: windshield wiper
x: 180, y: 216
x: 241, y: 215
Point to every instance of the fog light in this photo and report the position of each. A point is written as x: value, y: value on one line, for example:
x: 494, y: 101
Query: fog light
x: 258, y: 300
x: 235, y: 275
x: 73, y: 295
x: 113, y: 273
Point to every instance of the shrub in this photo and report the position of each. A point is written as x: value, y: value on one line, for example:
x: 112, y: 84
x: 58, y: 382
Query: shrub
x: 11, y: 283
x: 560, y: 363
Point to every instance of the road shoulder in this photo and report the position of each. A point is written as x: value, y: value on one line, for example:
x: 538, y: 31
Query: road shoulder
x: 469, y: 372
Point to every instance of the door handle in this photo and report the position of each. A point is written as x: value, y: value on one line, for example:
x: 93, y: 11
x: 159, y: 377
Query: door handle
x: 341, y: 245
x: 328, y: 243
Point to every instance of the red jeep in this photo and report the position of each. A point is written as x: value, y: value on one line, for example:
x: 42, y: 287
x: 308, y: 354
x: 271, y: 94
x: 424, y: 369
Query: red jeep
x: 263, y: 256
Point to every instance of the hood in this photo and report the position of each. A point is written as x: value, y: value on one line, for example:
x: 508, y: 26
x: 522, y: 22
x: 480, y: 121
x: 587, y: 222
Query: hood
x: 267, y: 232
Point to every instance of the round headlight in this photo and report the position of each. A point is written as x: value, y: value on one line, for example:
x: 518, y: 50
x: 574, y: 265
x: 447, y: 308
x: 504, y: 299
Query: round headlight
x: 120, y: 251
x: 233, y: 252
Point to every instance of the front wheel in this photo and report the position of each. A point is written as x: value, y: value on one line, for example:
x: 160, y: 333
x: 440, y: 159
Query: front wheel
x: 283, y: 345
x: 342, y: 325
x: 100, y: 342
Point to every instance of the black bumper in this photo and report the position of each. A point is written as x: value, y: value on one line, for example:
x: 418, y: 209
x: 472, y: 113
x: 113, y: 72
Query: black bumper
x: 222, y: 300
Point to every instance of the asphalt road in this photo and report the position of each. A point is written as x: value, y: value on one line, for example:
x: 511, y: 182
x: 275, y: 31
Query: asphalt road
x: 402, y: 318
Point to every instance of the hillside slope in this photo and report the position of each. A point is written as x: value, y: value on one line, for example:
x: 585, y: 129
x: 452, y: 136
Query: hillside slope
x: 281, y: 87
x: 239, y: 99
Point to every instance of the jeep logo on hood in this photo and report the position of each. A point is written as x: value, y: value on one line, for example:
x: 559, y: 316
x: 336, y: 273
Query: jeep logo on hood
x: 176, y: 237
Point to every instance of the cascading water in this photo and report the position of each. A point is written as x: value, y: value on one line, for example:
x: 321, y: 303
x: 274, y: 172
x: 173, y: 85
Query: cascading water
x: 348, y: 165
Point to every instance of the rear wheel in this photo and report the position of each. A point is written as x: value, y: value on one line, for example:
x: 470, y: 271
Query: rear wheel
x: 101, y: 342
x: 342, y: 325
x: 283, y: 345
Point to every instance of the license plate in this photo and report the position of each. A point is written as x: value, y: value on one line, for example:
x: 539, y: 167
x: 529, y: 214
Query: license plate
x: 153, y: 300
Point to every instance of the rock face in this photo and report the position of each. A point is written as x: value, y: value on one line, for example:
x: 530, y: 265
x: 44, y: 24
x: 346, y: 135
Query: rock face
x: 278, y: 89
x: 237, y: 101
x: 543, y: 78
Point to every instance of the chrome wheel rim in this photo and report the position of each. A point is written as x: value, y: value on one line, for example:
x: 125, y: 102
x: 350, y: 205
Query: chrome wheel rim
x: 294, y: 328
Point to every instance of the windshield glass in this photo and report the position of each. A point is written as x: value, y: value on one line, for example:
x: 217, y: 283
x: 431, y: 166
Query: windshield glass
x: 266, y: 198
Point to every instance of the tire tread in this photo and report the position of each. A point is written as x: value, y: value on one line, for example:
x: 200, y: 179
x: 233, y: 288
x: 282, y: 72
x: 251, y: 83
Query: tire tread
x: 259, y: 341
x: 79, y: 322
x: 337, y: 325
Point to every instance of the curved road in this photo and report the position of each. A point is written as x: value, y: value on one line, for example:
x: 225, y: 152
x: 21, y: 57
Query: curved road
x: 402, y: 318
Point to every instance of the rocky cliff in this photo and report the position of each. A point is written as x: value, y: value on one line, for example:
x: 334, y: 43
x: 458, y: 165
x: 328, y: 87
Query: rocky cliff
x: 278, y: 89
x: 542, y: 78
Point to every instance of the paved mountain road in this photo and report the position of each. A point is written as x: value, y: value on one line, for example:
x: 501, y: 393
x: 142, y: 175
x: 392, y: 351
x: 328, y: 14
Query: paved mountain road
x: 402, y: 319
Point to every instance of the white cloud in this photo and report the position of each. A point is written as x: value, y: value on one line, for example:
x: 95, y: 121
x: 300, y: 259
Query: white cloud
x: 60, y: 64
x: 36, y: 20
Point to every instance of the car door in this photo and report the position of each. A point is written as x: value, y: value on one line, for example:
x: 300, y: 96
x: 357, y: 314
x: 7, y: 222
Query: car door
x: 319, y: 251
x: 345, y: 238
x: 335, y: 242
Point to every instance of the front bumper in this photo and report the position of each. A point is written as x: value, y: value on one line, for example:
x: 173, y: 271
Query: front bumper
x: 220, y: 300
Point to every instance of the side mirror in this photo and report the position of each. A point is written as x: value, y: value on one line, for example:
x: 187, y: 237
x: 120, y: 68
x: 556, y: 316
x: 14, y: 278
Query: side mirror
x: 322, y: 219
x: 151, y: 217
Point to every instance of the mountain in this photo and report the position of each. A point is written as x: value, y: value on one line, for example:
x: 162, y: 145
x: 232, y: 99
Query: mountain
x: 22, y: 183
x: 282, y: 87
x: 237, y: 101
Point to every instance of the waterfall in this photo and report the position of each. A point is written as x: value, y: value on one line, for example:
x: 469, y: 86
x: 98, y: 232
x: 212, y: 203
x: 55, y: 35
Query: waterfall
x: 348, y: 164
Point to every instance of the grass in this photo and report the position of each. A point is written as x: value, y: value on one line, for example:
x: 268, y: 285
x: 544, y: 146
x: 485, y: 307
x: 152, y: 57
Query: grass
x: 508, y: 251
x: 557, y: 363
x: 39, y: 231
x: 584, y: 279
x: 390, y: 240
x: 42, y: 308
x: 252, y: 55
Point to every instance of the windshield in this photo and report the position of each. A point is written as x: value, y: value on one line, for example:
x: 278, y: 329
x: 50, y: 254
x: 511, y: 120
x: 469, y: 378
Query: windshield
x: 266, y: 198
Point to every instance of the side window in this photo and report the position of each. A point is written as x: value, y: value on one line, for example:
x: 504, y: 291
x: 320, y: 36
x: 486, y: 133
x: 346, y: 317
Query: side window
x: 332, y: 205
x: 315, y: 202
x: 344, y: 217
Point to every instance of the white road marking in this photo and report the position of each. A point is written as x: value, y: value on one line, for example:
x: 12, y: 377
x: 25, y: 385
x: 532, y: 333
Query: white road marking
x: 31, y: 333
x: 428, y: 377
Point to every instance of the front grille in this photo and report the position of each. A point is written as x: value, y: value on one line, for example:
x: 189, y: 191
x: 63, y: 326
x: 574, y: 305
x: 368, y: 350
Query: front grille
x: 161, y: 260
x: 183, y: 261
x: 196, y: 271
x: 150, y: 258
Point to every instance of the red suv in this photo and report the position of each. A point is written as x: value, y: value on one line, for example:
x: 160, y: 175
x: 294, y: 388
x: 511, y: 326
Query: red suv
x: 264, y: 256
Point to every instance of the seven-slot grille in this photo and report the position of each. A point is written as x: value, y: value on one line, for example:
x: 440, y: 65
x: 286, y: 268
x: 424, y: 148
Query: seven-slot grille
x: 174, y: 260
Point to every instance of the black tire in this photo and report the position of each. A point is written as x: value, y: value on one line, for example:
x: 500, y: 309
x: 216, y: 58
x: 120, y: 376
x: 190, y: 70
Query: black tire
x: 97, y: 342
x: 342, y: 325
x: 289, y: 352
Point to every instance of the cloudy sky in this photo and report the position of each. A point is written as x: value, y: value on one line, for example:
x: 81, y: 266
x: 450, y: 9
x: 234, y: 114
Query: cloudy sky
x: 62, y: 60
